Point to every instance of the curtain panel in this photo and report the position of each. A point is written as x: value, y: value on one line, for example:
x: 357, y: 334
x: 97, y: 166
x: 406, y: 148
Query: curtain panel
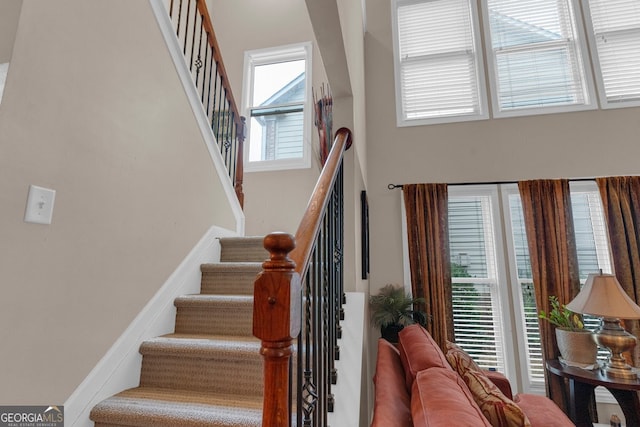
x: 548, y: 219
x: 621, y: 205
x: 426, y: 208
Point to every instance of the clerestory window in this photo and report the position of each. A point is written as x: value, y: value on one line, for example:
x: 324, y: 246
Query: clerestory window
x: 438, y: 62
x: 535, y: 52
x: 538, y: 60
x: 614, y: 30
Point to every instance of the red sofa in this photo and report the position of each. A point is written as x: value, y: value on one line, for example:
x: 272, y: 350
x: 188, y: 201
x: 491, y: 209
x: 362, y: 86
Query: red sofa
x: 416, y: 385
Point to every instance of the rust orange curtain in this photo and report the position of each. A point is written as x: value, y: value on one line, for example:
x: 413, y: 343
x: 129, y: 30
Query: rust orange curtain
x: 428, y: 239
x: 548, y: 218
x: 621, y: 205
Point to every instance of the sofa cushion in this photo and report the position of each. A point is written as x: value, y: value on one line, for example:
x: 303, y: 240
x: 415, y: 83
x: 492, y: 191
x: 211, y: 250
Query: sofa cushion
x: 439, y: 397
x: 418, y: 351
x: 392, y: 401
x: 496, y: 407
x: 542, y: 411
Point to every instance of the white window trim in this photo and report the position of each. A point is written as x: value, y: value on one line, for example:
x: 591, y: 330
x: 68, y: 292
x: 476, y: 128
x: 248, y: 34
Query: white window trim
x: 591, y: 103
x: 595, y: 59
x: 520, y: 337
x: 481, y: 83
x: 271, y: 55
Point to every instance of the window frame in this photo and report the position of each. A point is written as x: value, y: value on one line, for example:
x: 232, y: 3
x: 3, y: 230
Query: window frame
x: 483, y: 109
x: 273, y: 55
x: 501, y: 283
x: 583, y: 62
x: 530, y: 385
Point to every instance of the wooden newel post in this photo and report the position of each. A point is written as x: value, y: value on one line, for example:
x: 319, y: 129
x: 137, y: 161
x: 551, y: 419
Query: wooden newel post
x: 276, y: 322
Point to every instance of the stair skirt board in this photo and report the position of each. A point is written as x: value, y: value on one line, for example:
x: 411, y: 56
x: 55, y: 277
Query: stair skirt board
x: 209, y: 372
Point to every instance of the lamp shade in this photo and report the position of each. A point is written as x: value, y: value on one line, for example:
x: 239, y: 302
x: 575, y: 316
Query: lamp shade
x: 603, y: 296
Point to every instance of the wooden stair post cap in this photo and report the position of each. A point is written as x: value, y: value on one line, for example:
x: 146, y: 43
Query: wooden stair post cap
x: 279, y: 245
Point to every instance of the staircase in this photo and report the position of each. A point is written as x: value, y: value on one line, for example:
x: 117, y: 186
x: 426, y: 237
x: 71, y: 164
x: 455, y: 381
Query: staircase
x: 209, y: 372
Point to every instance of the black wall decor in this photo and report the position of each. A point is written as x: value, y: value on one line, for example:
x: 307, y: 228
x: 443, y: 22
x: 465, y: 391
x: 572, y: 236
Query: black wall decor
x: 364, y: 213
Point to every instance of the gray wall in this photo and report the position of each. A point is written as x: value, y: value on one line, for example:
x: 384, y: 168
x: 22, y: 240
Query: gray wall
x: 94, y: 109
x: 9, y: 15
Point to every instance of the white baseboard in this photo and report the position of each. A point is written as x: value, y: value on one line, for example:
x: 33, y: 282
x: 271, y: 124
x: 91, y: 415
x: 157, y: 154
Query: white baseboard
x: 119, y: 369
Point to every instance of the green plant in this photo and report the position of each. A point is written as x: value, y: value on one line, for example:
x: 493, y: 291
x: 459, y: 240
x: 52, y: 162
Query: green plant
x: 392, y: 306
x: 561, y: 316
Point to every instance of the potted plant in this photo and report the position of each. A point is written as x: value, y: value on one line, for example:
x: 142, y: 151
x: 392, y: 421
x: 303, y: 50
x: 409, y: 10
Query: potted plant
x: 576, y: 344
x: 392, y: 308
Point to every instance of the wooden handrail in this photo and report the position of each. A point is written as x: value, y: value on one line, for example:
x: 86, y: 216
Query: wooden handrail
x: 310, y: 223
x: 277, y: 306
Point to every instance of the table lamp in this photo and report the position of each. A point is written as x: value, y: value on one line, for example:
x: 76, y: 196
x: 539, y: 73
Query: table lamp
x: 603, y: 296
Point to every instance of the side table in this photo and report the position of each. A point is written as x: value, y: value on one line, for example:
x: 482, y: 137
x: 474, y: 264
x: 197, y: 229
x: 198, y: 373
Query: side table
x: 582, y: 384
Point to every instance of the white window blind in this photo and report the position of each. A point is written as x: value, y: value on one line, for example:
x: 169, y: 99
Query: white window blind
x: 438, y: 65
x: 477, y: 314
x: 534, y: 371
x: 615, y: 32
x: 535, y: 57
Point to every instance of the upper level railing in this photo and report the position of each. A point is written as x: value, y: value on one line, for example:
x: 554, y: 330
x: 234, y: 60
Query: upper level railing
x: 194, y: 30
x: 298, y: 297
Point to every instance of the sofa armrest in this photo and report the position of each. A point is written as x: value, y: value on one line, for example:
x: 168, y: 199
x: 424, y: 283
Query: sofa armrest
x: 500, y: 381
x: 542, y: 411
x: 392, y: 405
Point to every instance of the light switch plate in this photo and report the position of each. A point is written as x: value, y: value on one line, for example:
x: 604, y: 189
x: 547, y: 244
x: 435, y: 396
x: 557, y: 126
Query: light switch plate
x: 39, y: 205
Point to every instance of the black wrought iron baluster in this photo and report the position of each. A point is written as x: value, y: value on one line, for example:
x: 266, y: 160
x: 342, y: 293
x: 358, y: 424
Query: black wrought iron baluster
x: 210, y: 65
x: 193, y: 34
x: 234, y: 146
x: 199, y: 62
x: 179, y: 20
x: 186, y: 29
x: 214, y: 118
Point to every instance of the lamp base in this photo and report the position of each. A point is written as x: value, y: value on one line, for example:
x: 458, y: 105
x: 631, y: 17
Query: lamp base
x: 613, y: 337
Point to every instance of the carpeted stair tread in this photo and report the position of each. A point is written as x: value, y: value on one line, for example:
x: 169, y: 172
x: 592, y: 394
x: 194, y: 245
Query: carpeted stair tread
x: 201, y: 346
x: 200, y: 363
x: 229, y: 278
x: 243, y: 249
x: 214, y: 314
x: 200, y: 300
x: 149, y: 406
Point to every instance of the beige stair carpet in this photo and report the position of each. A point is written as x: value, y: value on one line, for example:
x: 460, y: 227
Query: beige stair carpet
x: 209, y: 372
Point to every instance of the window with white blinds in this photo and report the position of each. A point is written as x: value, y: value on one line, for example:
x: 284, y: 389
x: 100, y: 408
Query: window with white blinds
x: 614, y: 31
x: 593, y: 254
x: 494, y: 314
x: 477, y: 313
x: 438, y: 62
x: 535, y: 58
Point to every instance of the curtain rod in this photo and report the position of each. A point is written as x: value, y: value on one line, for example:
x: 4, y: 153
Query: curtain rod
x: 394, y: 186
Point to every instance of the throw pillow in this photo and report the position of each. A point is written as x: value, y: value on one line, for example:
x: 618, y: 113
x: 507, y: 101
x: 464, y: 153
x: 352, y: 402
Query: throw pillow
x: 459, y: 360
x: 495, y: 406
